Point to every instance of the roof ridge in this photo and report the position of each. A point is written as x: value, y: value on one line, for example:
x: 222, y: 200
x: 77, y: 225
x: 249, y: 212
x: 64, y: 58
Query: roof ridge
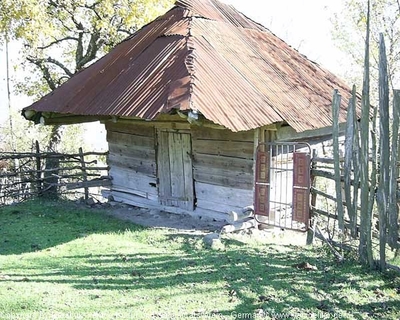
x: 219, y: 11
x: 190, y: 60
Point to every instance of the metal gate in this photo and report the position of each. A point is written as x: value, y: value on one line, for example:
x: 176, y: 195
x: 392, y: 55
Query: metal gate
x: 282, y: 186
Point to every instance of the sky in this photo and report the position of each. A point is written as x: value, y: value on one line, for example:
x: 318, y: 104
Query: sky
x: 305, y: 25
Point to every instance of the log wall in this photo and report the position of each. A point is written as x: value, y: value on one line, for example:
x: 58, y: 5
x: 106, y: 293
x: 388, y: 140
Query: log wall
x: 222, y: 167
x: 132, y: 161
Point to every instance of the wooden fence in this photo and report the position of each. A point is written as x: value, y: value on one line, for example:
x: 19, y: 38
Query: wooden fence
x: 35, y: 174
x: 365, y: 183
x: 325, y: 207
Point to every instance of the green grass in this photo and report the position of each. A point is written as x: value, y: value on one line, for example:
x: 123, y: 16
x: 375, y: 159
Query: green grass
x: 59, y: 261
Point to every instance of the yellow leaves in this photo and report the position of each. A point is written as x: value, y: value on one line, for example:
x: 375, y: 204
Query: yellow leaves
x: 60, y: 28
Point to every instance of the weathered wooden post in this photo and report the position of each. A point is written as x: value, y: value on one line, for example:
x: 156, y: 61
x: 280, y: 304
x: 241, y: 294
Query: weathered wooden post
x: 38, y: 170
x: 365, y: 246
x: 384, y: 152
x: 84, y: 172
x: 348, y: 168
x: 313, y: 202
x: 335, y: 137
x: 50, y: 178
x: 356, y: 167
x: 393, y: 211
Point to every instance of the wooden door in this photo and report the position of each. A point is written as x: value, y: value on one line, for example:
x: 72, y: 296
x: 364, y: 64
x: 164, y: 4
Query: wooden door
x: 175, y: 172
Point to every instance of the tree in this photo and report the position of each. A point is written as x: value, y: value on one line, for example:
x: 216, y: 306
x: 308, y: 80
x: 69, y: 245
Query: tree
x: 350, y: 30
x: 382, y: 23
x: 61, y: 37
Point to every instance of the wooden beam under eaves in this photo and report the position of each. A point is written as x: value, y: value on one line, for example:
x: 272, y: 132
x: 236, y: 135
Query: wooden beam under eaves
x: 65, y: 120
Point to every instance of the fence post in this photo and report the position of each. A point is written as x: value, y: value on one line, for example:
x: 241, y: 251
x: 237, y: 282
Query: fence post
x: 384, y: 152
x: 393, y: 215
x: 311, y: 231
x: 84, y: 172
x: 335, y: 137
x: 38, y: 170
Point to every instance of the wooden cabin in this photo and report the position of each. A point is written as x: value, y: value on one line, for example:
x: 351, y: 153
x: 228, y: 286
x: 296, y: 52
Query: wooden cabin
x: 187, y: 99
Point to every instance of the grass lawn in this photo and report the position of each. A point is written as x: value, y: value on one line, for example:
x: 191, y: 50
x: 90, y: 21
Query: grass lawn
x: 59, y: 261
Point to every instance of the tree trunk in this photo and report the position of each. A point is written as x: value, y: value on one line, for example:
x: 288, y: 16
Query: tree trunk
x: 50, y: 181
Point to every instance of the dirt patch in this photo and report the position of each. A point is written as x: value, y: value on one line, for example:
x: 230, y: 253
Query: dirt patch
x: 160, y: 219
x: 196, y: 225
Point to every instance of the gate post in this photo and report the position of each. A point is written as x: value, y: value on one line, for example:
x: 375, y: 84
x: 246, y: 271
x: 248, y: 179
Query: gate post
x: 313, y: 223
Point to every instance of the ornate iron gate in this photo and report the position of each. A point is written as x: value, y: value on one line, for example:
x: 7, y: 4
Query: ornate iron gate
x: 282, y: 186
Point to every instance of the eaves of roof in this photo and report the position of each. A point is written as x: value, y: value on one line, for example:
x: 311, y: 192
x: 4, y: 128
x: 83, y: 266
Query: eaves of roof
x: 203, y: 55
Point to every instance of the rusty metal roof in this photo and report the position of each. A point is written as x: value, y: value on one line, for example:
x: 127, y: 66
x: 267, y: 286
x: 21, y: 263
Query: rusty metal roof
x: 203, y: 55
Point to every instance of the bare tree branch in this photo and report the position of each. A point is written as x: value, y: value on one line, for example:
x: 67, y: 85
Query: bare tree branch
x: 45, y: 73
x: 38, y: 62
x: 57, y: 41
x: 61, y: 80
x: 128, y: 32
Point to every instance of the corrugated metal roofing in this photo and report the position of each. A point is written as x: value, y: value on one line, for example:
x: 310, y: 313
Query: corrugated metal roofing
x: 206, y: 56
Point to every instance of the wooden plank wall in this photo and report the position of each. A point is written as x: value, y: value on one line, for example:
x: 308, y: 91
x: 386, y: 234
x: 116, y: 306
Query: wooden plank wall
x: 133, y: 163
x: 223, y: 169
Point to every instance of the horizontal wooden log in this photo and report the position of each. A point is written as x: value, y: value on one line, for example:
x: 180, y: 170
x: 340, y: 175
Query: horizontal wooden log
x: 201, y: 133
x: 130, y: 140
x: 59, y: 169
x: 224, y: 195
x: 236, y: 149
x: 221, y: 177
x: 326, y: 195
x: 324, y: 213
x: 12, y: 155
x: 134, y: 192
x: 242, y: 214
x: 144, y: 153
x: 131, y: 128
x: 139, y: 166
x: 221, y: 162
x: 57, y: 119
x: 322, y: 173
x: 176, y: 123
x: 151, y: 204
x: 217, y: 206
x: 239, y: 226
x: 130, y: 179
x: 323, y: 194
x: 316, y: 160
x: 74, y: 160
x: 88, y: 184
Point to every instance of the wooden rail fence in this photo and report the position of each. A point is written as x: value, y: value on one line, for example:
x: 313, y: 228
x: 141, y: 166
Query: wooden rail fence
x: 324, y: 204
x: 34, y: 174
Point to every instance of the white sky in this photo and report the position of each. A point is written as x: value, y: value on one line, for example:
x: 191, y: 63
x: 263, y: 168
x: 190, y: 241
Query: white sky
x: 304, y: 24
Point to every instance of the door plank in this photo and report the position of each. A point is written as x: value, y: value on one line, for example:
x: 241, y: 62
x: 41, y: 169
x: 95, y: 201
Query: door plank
x: 176, y: 166
x: 187, y: 172
x: 164, y: 176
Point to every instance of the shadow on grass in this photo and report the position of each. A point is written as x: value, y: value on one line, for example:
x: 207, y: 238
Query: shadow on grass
x: 38, y: 224
x: 253, y: 279
x: 249, y: 278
